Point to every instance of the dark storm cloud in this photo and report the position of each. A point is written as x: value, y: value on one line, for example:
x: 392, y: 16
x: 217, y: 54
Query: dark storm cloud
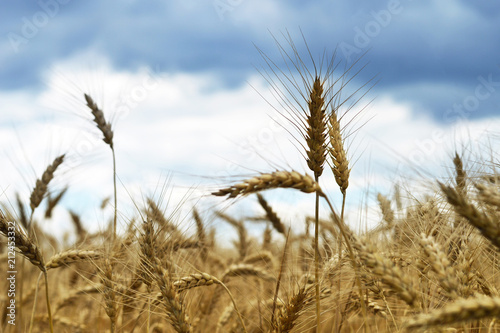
x: 412, y: 45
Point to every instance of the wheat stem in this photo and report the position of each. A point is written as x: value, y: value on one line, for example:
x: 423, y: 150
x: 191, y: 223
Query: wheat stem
x: 114, y: 193
x: 34, y: 303
x: 344, y: 230
x: 49, y: 312
x: 316, y: 262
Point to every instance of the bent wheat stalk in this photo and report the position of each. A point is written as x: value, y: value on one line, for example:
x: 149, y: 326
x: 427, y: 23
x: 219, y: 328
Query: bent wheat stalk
x: 316, y: 153
x: 266, y: 181
x: 483, y: 222
x: 42, y: 184
x: 70, y: 256
x: 463, y: 310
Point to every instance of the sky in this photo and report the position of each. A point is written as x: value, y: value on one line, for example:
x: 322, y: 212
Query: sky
x: 192, y: 99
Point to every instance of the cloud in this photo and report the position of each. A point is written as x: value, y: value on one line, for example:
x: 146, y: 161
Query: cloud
x: 181, y: 101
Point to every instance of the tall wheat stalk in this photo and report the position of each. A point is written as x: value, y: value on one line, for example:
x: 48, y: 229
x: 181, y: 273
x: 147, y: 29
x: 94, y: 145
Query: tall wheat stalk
x: 28, y: 240
x: 315, y: 85
x: 107, y: 132
x: 41, y: 187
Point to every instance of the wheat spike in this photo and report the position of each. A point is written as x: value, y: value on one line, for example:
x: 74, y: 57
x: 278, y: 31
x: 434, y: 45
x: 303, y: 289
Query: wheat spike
x: 292, y: 310
x: 70, y: 256
x: 385, y: 269
x: 463, y: 310
x: 247, y: 270
x: 440, y: 264
x: 25, y: 244
x: 271, y: 215
x: 52, y: 203
x: 461, y: 176
x: 100, y: 121
x: 340, y: 167
x: 195, y: 280
x: 484, y: 223
x: 109, y: 292
x: 74, y: 295
x: 22, y: 213
x: 171, y: 300
x: 264, y: 257
x: 315, y: 134
x: 489, y: 194
x: 155, y: 214
x: 277, y: 179
x: 242, y: 244
x: 385, y: 207
x: 42, y: 184
x: 148, y: 249
x: 77, y: 222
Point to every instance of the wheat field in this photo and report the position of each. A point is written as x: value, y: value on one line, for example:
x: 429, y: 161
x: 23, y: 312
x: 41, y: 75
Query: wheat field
x: 430, y: 264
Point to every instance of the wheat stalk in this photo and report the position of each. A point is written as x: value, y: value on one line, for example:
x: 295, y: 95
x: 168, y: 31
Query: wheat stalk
x: 71, y: 256
x: 315, y: 131
x: 242, y: 233
x: 390, y: 274
x: 100, y: 121
x: 385, y: 207
x: 109, y: 292
x: 80, y: 230
x: 195, y: 280
x: 171, y: 300
x: 266, y: 181
x: 42, y: 184
x: 52, y: 202
x: 271, y: 215
x: 70, y: 299
x: 484, y: 223
x: 148, y: 248
x: 292, y: 310
x: 441, y: 266
x: 201, y: 233
x: 461, y: 175
x: 107, y: 133
x: 463, y: 310
x: 264, y: 257
x: 340, y: 164
x: 246, y: 270
x: 26, y: 245
x: 489, y: 194
x: 157, y: 215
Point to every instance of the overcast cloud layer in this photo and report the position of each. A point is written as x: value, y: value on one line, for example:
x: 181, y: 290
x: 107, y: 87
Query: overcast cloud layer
x: 181, y: 82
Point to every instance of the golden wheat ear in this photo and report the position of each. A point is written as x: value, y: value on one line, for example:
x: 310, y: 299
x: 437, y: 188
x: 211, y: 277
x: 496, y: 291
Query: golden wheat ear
x: 292, y: 310
x: 107, y: 132
x: 266, y: 181
x: 463, y: 310
x: 42, y: 184
x: 485, y: 223
x: 53, y: 201
x: 315, y: 133
x: 271, y: 215
x: 25, y: 244
x: 100, y: 121
x: 340, y: 163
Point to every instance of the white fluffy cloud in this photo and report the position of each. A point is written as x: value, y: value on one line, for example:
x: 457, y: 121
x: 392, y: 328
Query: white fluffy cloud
x: 196, y: 131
